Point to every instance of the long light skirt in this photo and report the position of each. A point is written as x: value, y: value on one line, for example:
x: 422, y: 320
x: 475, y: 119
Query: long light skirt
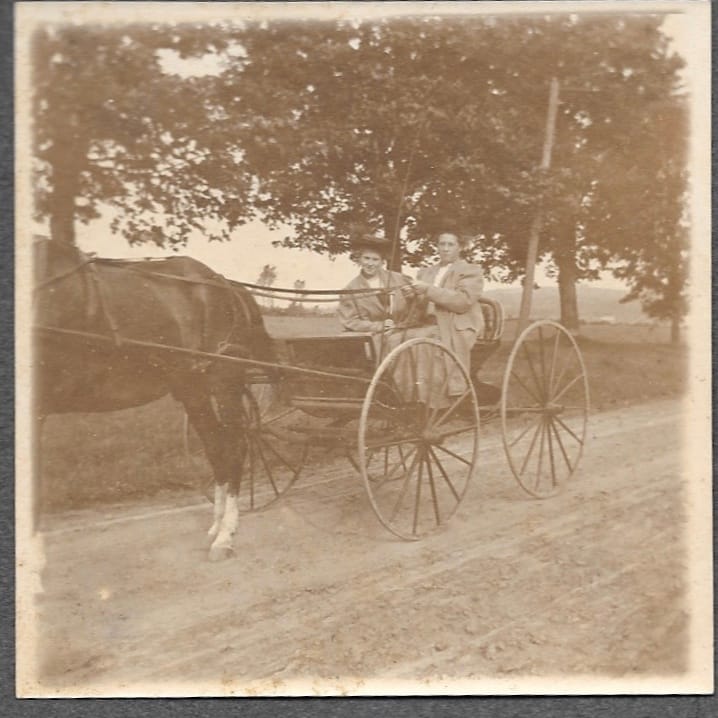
x: 421, y: 373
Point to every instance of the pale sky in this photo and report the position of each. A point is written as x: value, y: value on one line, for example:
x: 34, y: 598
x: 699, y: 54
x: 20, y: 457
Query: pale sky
x: 251, y: 247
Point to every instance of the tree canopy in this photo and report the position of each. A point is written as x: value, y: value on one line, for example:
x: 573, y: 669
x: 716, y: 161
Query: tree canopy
x: 400, y: 126
x: 112, y: 127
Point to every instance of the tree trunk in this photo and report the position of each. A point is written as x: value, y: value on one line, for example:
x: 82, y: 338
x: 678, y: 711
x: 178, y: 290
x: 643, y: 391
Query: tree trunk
x: 567, y: 290
x: 67, y: 159
x: 62, y: 216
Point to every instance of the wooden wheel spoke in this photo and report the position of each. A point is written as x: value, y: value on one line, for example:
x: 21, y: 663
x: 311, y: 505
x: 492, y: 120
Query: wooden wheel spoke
x: 393, y: 474
x: 404, y: 487
x: 561, y: 446
x: 521, y: 435
x: 540, y: 386
x: 550, y: 454
x: 432, y: 414
x: 560, y: 377
x: 402, y: 457
x: 531, y: 448
x: 353, y: 461
x: 411, y: 453
x: 543, y: 362
x: 432, y: 485
x: 567, y: 387
x: 457, y: 432
x: 417, y: 500
x: 540, y: 459
x: 390, y: 469
x: 537, y: 399
x: 265, y: 463
x: 553, y: 362
x: 281, y: 415
x: 392, y: 442
x: 451, y: 453
x: 445, y: 476
x: 250, y: 451
x: 429, y: 388
x: 414, y: 377
x: 455, y: 404
x: 563, y: 424
x: 276, y: 453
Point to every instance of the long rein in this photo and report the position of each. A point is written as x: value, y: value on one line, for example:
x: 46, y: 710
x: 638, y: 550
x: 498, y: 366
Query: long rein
x: 296, y: 295
x: 254, y: 289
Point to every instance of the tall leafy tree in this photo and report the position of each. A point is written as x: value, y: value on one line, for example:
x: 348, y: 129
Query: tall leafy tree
x: 656, y: 266
x: 113, y: 127
x: 618, y: 78
x: 400, y: 126
x: 404, y: 125
x: 390, y: 125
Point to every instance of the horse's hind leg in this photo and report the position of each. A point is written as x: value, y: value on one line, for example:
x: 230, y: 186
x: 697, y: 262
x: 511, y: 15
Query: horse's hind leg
x: 205, y: 420
x: 220, y: 503
x: 233, y: 422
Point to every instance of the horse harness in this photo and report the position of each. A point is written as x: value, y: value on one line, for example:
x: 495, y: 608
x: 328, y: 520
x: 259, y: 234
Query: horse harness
x: 240, y: 310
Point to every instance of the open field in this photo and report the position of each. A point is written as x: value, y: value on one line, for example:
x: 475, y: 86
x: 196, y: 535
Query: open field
x: 283, y: 325
x: 128, y: 455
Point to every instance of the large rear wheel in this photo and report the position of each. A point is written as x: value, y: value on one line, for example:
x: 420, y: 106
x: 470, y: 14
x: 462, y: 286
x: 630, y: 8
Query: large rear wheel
x: 418, y: 438
x: 544, y: 408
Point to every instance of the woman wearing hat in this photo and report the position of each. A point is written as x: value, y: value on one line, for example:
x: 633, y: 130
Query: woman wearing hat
x: 373, y: 312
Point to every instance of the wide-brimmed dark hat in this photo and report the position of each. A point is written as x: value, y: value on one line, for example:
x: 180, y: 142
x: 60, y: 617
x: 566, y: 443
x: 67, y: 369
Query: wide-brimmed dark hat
x: 369, y: 241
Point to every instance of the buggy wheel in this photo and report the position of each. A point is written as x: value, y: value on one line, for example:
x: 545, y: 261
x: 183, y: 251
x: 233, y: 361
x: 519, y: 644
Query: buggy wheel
x: 418, y: 438
x: 544, y: 408
x: 271, y: 465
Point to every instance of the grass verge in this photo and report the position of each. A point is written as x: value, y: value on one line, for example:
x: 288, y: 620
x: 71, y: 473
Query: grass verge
x: 89, y: 460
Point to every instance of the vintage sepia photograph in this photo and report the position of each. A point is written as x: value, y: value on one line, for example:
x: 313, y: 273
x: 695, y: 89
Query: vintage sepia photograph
x: 363, y: 348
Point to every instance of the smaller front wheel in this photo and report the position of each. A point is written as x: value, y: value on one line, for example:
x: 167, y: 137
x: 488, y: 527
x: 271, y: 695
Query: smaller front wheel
x: 418, y: 438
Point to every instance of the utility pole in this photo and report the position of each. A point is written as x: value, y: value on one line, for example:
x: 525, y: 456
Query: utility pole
x: 525, y: 311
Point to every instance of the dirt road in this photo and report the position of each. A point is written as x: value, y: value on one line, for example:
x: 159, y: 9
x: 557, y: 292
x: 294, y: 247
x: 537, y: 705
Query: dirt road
x: 321, y: 597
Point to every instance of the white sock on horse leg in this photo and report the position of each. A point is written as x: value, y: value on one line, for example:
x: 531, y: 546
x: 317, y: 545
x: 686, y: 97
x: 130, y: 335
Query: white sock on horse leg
x: 220, y: 499
x: 228, y: 526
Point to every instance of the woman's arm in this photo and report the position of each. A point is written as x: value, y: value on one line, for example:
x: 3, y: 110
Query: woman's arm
x: 351, y: 320
x: 464, y: 295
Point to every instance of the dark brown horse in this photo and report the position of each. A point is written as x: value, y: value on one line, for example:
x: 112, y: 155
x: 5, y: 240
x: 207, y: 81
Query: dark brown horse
x: 97, y: 326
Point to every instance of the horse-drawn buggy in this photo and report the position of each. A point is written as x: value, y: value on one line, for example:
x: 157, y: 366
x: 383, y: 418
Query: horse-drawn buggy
x: 117, y: 333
